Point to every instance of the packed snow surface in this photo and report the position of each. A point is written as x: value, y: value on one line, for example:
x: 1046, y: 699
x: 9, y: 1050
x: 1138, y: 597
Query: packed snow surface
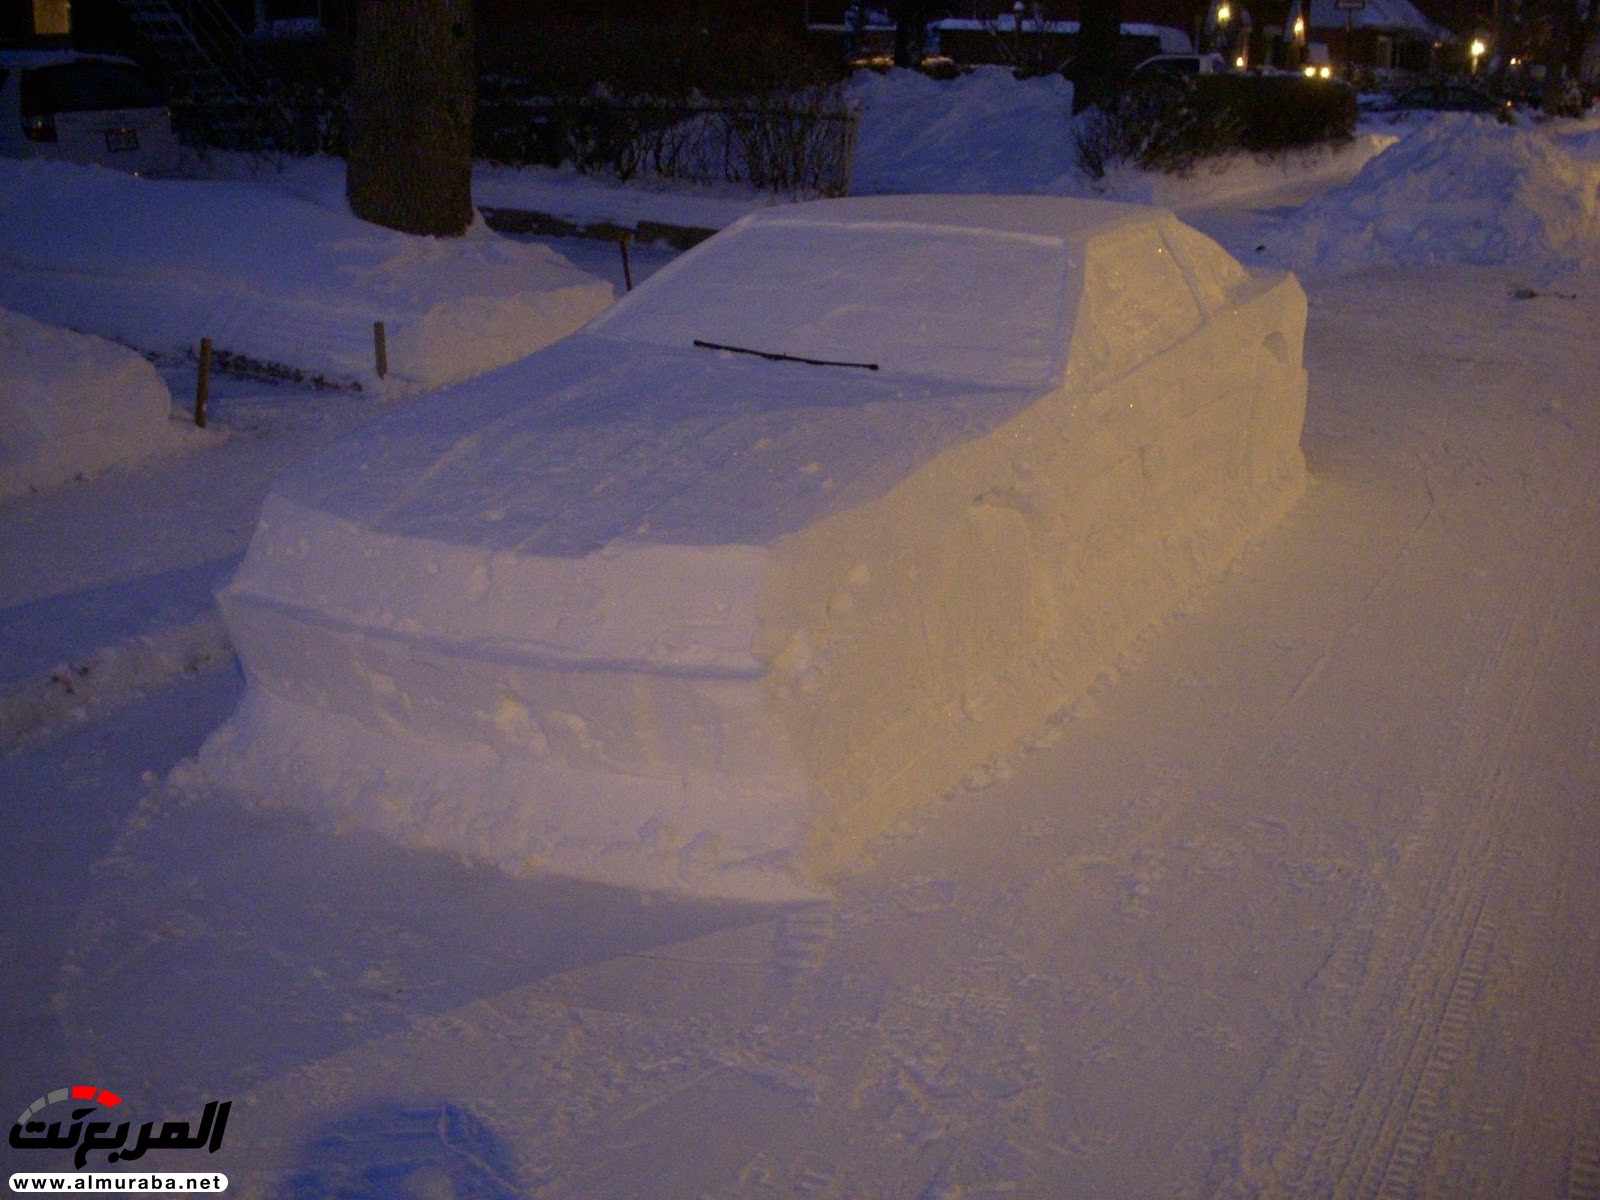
x: 161, y: 264
x: 1296, y: 901
x: 653, y: 609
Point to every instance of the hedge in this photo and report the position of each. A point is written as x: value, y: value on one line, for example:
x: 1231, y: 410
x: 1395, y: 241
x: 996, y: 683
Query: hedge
x: 1168, y: 123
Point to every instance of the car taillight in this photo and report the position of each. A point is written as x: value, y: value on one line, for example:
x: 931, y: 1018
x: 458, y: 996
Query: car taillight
x: 38, y: 118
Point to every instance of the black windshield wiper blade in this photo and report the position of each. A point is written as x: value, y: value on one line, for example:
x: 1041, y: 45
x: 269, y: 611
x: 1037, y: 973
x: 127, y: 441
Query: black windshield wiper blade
x: 774, y: 356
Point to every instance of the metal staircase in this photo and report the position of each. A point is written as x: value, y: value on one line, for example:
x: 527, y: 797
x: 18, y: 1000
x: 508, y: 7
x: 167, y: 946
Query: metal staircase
x: 220, y: 92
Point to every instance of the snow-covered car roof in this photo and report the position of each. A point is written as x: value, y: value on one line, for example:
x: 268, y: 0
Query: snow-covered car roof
x: 916, y: 323
x: 867, y: 281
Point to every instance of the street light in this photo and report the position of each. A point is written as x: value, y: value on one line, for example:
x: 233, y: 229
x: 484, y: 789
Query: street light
x: 1478, y: 49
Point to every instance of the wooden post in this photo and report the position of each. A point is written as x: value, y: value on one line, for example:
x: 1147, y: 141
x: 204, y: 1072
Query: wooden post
x: 380, y: 346
x: 202, y: 389
x: 627, y: 271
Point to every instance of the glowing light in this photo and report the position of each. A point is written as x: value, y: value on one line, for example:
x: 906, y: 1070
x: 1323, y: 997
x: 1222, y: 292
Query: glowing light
x: 1239, y: 62
x: 1224, y: 14
x: 1299, y: 27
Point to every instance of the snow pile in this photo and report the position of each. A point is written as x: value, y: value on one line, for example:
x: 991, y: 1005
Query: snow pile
x: 162, y: 264
x: 676, y: 617
x: 982, y: 132
x: 991, y: 133
x: 1461, y: 190
x: 71, y: 404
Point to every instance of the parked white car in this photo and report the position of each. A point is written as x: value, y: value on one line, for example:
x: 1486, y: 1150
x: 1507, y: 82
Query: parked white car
x: 828, y: 512
x: 84, y: 108
x: 1182, y: 65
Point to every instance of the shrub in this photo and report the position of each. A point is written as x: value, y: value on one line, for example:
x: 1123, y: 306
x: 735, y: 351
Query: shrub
x: 1167, y: 123
x: 799, y: 142
x: 1158, y: 122
x: 735, y: 102
x: 1284, y: 112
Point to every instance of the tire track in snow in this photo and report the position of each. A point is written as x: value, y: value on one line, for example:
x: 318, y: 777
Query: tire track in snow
x: 1583, y: 1172
x: 1480, y: 875
x: 1583, y: 1157
x: 1449, y: 1038
x: 1390, y: 1036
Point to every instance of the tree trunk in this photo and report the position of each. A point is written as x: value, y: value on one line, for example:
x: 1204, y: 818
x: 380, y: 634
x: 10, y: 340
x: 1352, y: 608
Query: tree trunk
x: 910, y: 29
x: 1577, y: 41
x: 411, y: 137
x: 1559, y: 23
x: 1098, y: 69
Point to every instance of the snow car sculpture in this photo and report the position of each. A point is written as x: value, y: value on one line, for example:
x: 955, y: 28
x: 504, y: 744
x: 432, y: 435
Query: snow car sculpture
x: 827, y: 513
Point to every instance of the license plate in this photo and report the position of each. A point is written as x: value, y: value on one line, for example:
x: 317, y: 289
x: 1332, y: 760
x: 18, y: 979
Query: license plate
x: 122, y: 139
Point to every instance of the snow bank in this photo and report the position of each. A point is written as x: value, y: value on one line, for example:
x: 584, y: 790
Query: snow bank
x: 71, y: 405
x: 160, y: 264
x: 1460, y: 190
x: 982, y: 132
x: 679, y: 618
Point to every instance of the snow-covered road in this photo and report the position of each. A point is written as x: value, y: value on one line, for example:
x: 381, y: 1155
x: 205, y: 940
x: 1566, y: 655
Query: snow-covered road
x: 1300, y: 902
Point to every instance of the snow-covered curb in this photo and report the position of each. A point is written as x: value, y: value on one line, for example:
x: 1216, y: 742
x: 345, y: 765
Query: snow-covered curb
x: 101, y: 682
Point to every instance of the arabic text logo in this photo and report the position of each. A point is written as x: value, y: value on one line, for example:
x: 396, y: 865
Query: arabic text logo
x: 32, y: 1133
